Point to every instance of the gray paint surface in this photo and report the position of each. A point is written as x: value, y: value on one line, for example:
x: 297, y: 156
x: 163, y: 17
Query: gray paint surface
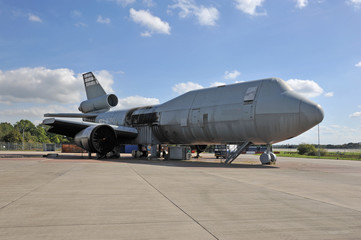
x: 225, y: 115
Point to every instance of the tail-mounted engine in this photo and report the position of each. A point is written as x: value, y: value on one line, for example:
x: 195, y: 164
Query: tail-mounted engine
x: 97, y: 139
x: 99, y: 104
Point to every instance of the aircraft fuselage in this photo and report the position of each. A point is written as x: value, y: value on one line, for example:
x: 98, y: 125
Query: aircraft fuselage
x: 262, y: 112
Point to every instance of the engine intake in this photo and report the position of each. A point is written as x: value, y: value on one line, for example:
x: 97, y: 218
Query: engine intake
x: 100, y: 104
x: 96, y: 139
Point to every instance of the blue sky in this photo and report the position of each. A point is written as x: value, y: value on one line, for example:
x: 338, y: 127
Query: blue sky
x: 148, y: 52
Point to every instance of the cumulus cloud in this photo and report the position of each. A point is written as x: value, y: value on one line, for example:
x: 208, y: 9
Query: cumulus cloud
x: 231, y: 75
x: 354, y: 3
x: 124, y: 3
x: 76, y: 14
x: 104, y: 78
x: 216, y: 84
x: 42, y: 85
x: 136, y: 101
x: 250, y: 6
x: 307, y: 88
x: 37, y: 111
x: 359, y: 63
x: 100, y: 19
x: 329, y: 94
x: 355, y: 115
x: 206, y: 16
x: 34, y: 18
x: 152, y: 23
x: 301, y: 3
x: 148, y: 3
x: 181, y: 88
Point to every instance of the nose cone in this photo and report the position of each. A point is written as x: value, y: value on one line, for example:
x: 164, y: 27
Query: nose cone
x: 311, y: 114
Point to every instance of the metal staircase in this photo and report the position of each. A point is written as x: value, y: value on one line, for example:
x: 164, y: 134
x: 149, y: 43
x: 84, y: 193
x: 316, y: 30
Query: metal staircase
x: 234, y: 154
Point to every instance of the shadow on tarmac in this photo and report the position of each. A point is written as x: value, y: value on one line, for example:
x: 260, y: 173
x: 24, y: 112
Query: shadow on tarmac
x: 188, y: 163
x: 192, y: 163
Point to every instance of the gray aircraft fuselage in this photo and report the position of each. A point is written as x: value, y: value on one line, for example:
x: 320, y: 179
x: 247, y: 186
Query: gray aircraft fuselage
x: 262, y: 112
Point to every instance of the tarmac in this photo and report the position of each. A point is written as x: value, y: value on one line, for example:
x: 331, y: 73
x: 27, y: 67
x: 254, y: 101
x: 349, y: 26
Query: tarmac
x: 72, y: 197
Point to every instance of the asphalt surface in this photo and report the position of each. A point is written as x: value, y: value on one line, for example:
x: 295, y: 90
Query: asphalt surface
x: 71, y: 197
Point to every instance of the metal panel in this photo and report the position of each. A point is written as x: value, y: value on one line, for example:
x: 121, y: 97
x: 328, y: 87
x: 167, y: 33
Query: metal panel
x: 146, y: 136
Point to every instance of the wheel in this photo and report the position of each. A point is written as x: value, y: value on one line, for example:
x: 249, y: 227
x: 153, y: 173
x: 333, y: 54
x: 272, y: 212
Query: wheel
x: 265, y: 158
x: 273, y: 157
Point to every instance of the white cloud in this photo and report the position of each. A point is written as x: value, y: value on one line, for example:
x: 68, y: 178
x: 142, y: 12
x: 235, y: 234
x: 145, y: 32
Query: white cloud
x: 104, y: 78
x: 231, y: 75
x: 34, y: 18
x: 136, y: 101
x: 148, y: 3
x: 330, y: 134
x: 125, y: 3
x: 355, y: 115
x: 329, y: 94
x: 37, y: 87
x: 42, y: 85
x: 37, y: 111
x: 181, y: 88
x: 103, y: 20
x: 207, y: 16
x: 301, y: 3
x: 153, y: 23
x: 359, y: 63
x: 76, y: 13
x: 145, y: 34
x: 216, y: 84
x: 80, y: 24
x: 307, y: 88
x: 250, y: 6
x: 354, y: 3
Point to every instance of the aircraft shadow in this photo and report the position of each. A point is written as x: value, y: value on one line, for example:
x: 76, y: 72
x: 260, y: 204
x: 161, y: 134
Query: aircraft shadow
x: 189, y: 163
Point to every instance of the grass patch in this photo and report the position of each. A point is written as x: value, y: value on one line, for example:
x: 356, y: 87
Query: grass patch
x: 328, y: 155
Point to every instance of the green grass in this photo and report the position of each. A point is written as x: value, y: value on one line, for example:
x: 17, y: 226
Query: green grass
x: 329, y: 155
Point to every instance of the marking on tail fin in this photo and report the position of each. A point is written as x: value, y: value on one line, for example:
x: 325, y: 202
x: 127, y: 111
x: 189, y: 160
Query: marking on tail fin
x: 93, y: 88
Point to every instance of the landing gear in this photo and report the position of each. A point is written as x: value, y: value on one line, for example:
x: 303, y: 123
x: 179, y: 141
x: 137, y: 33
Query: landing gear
x: 141, y: 153
x: 268, y: 157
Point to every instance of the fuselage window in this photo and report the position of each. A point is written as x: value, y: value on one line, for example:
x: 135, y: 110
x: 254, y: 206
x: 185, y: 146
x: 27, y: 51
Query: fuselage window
x: 250, y: 94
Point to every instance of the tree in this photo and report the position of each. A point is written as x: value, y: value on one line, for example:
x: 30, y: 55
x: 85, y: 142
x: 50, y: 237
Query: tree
x: 41, y: 134
x: 306, y: 149
x: 5, y: 128
x: 26, y: 126
x: 13, y: 136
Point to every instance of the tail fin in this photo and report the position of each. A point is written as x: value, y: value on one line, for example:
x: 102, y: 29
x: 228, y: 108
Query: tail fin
x: 98, y: 100
x: 93, y: 88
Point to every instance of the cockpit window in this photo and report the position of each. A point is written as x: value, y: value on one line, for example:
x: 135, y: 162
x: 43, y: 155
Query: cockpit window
x: 250, y: 94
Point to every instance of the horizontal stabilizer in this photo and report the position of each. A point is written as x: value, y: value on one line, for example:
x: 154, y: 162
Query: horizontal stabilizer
x: 71, y: 115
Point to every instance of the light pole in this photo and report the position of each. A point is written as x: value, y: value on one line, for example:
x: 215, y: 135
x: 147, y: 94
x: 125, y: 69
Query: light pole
x: 318, y: 126
x: 23, y: 137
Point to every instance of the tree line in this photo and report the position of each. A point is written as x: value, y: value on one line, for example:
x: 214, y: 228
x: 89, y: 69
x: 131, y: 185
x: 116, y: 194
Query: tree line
x: 25, y: 130
x: 326, y: 146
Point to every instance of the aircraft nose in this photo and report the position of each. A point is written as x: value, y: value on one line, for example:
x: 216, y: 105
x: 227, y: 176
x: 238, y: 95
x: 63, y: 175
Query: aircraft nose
x: 311, y: 114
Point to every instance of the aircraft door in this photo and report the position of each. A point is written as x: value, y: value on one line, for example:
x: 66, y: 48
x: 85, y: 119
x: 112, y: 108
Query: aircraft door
x: 196, y: 118
x: 248, y: 103
x: 248, y: 112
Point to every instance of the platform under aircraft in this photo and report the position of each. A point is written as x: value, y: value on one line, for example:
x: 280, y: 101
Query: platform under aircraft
x: 263, y: 111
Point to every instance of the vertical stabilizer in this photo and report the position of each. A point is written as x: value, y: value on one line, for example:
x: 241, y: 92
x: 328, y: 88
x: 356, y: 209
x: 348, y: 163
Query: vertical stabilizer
x: 92, y: 87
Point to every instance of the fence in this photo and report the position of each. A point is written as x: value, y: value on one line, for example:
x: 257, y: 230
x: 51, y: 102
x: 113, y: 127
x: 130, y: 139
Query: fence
x: 7, y: 146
